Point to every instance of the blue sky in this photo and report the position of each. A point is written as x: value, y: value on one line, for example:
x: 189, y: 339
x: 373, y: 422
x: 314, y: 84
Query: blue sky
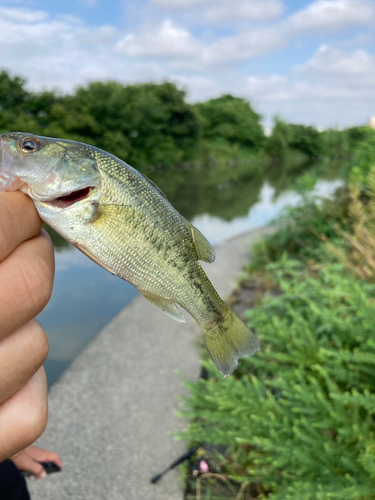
x: 311, y: 62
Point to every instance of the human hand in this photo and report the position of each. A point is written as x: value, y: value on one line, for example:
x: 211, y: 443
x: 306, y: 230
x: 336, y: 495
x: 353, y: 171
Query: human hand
x: 26, y: 278
x: 31, y: 457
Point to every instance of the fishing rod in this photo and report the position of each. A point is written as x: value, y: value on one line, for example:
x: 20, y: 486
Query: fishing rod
x: 174, y: 464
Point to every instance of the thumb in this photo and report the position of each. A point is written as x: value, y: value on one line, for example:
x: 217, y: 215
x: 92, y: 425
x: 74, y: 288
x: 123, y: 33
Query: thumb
x: 25, y: 463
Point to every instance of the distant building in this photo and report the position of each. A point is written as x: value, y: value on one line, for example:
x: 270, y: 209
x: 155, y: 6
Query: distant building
x: 371, y: 122
x: 267, y: 131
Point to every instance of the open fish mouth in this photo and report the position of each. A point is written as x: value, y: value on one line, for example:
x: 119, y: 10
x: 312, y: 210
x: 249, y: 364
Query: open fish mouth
x: 70, y: 199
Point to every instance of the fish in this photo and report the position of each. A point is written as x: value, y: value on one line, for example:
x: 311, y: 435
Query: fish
x: 122, y: 221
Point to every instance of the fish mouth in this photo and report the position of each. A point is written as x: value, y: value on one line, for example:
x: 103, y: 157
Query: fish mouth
x: 70, y: 199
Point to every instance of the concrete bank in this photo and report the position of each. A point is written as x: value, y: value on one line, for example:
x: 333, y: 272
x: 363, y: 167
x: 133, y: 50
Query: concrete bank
x: 112, y: 411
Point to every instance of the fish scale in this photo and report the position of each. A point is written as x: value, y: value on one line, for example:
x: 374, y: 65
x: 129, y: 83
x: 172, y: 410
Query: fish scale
x: 122, y: 221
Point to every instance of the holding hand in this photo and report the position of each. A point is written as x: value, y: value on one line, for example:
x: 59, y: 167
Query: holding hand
x: 30, y: 459
x: 26, y: 279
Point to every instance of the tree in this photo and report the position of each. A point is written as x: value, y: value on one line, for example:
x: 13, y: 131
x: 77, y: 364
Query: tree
x: 305, y: 139
x: 145, y: 124
x: 13, y: 95
x: 278, y: 142
x: 232, y: 119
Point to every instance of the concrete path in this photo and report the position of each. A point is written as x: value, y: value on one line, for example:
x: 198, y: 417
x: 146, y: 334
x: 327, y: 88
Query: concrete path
x: 112, y: 411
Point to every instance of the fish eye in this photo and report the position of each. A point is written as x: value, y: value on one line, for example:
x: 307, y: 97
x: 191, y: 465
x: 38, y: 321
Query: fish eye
x: 30, y: 144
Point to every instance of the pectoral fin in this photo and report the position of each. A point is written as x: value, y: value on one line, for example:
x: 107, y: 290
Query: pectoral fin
x: 167, y: 306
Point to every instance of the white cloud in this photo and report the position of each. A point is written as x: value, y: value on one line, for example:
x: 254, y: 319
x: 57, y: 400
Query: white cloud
x: 333, y: 15
x: 361, y: 40
x: 172, y: 41
x: 52, y: 52
x: 199, y: 87
x: 21, y: 15
x: 246, y: 46
x: 321, y: 15
x: 333, y: 62
x: 178, y: 3
x: 342, y: 73
x: 265, y: 85
x: 256, y: 10
x: 334, y: 86
x: 179, y: 48
x: 329, y: 74
x: 166, y: 40
x: 302, y: 90
x: 219, y: 11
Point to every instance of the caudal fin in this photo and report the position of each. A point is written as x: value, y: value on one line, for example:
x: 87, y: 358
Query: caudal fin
x: 228, y: 341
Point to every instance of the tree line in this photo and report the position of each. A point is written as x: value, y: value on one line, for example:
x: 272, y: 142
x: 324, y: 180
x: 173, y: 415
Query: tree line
x: 151, y: 125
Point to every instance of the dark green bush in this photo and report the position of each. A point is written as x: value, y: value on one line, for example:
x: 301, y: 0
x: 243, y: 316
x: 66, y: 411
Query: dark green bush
x: 364, y: 155
x: 288, y: 136
x: 231, y: 119
x: 302, y: 229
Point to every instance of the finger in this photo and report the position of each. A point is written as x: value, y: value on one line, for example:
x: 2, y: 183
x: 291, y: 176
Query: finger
x: 42, y: 455
x: 26, y: 279
x: 21, y: 356
x: 23, y: 417
x: 26, y: 463
x: 19, y: 221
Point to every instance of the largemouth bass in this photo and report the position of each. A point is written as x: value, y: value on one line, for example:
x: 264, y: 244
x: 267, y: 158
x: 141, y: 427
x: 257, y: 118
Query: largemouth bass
x: 122, y: 221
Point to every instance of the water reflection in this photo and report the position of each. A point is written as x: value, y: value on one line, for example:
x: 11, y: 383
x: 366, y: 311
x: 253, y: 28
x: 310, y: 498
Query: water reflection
x: 222, y: 202
x: 223, y: 192
x: 267, y: 208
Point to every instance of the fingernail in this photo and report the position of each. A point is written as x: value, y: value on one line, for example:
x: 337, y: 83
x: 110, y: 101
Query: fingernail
x: 43, y: 475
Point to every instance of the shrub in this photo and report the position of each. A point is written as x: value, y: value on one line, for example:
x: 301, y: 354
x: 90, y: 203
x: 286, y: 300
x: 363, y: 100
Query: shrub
x: 299, y: 416
x: 303, y: 228
x: 231, y: 119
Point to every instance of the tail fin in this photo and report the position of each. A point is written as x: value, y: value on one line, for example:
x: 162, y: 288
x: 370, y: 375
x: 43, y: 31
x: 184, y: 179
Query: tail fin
x: 228, y: 341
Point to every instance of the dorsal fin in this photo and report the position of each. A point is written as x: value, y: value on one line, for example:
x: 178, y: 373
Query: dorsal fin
x: 204, y: 248
x: 153, y: 185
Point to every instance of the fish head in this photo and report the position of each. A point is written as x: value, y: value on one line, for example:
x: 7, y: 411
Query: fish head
x: 60, y: 176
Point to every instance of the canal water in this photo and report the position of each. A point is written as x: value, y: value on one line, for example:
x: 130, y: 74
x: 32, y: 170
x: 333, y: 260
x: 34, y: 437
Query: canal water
x: 86, y: 297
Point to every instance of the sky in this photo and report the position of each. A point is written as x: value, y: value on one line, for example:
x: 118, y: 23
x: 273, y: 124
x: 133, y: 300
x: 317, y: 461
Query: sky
x: 310, y: 62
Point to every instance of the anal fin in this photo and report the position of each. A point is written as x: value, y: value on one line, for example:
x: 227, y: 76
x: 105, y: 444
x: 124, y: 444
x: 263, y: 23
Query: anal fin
x: 167, y: 306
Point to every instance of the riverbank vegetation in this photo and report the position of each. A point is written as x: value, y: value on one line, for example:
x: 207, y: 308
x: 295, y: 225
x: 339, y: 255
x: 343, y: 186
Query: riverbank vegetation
x: 297, y: 419
x: 152, y: 126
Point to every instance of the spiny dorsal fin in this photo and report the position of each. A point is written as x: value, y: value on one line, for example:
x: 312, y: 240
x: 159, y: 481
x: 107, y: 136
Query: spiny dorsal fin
x: 157, y: 188
x: 204, y: 249
x: 167, y: 306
